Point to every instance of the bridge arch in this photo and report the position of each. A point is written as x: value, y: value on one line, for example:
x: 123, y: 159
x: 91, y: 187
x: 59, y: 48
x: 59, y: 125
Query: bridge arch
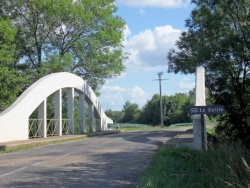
x: 14, y: 121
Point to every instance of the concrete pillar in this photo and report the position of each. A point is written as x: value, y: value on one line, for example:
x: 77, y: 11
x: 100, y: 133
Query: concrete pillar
x: 58, y: 111
x: 103, y: 123
x: 99, y: 125
x: 91, y: 117
x: 42, y: 116
x: 200, y: 100
x: 70, y: 106
x: 82, y: 112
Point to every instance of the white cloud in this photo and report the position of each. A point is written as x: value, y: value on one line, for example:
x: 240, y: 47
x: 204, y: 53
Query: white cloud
x: 116, y: 96
x: 114, y: 79
x: 139, y: 96
x: 112, y: 97
x: 155, y: 3
x: 185, y: 86
x: 113, y: 89
x: 137, y: 92
x: 144, y: 41
x: 126, y: 32
x: 148, y: 49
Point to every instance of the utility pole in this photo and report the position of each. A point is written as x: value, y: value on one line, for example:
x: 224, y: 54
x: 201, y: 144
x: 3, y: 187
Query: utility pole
x: 161, y: 107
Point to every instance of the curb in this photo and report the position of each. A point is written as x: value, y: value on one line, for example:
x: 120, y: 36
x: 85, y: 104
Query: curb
x: 180, y: 140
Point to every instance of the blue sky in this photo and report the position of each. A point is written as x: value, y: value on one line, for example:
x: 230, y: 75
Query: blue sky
x: 152, y: 28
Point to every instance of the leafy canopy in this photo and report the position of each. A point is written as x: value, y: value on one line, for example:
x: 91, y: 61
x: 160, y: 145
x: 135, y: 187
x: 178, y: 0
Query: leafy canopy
x: 79, y: 36
x: 10, y: 78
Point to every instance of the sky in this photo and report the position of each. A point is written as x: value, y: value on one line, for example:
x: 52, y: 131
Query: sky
x: 152, y: 29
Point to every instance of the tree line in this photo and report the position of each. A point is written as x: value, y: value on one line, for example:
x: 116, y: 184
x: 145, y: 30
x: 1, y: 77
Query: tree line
x: 175, y: 110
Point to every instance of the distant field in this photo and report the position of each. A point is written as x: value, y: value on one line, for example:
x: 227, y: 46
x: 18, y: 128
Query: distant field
x: 137, y: 127
x: 141, y: 127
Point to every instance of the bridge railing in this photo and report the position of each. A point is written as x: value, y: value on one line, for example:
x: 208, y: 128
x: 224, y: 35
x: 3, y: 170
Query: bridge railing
x: 52, y: 126
x: 65, y: 126
x: 35, y: 127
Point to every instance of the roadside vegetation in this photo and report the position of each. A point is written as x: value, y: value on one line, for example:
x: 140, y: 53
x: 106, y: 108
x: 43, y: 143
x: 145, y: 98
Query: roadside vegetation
x: 220, y: 166
x: 224, y: 164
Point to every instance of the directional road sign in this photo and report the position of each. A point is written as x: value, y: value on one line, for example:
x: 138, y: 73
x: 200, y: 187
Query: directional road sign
x: 217, y: 109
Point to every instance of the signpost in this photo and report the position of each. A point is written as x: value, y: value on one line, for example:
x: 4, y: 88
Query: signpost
x: 217, y: 109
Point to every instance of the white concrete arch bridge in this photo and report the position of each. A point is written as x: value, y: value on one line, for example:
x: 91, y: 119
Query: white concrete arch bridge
x: 15, y: 122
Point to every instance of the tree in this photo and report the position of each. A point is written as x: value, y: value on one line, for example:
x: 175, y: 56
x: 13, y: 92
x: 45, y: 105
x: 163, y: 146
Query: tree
x: 79, y: 36
x: 115, y: 115
x: 150, y: 113
x: 131, y: 112
x: 175, y: 109
x: 218, y: 39
x: 10, y: 77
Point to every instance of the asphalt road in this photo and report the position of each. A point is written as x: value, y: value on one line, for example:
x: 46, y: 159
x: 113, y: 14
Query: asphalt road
x: 102, y: 161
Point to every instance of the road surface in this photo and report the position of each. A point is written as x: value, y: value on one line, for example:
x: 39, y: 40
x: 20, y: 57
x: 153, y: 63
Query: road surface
x: 103, y: 161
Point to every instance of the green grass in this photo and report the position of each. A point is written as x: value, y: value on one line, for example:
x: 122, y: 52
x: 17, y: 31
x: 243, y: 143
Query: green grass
x: 211, y: 122
x: 149, y: 128
x: 225, y: 166
x: 141, y: 127
x: 181, y: 124
x: 211, y: 131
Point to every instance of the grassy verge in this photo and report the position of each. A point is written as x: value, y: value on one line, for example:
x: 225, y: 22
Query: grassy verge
x: 151, y: 128
x: 225, y: 166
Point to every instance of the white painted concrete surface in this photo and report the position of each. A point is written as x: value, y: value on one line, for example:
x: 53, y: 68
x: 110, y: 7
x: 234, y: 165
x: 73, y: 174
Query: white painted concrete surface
x: 14, y: 121
x: 200, y: 100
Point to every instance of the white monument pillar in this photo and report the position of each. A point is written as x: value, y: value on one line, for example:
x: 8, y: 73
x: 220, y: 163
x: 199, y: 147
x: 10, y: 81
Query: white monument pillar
x: 200, y: 136
x: 42, y: 116
x: 82, y: 112
x: 58, y: 111
x: 91, y: 117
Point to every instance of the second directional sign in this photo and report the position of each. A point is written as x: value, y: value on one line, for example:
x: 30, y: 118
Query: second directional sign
x: 217, y: 109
